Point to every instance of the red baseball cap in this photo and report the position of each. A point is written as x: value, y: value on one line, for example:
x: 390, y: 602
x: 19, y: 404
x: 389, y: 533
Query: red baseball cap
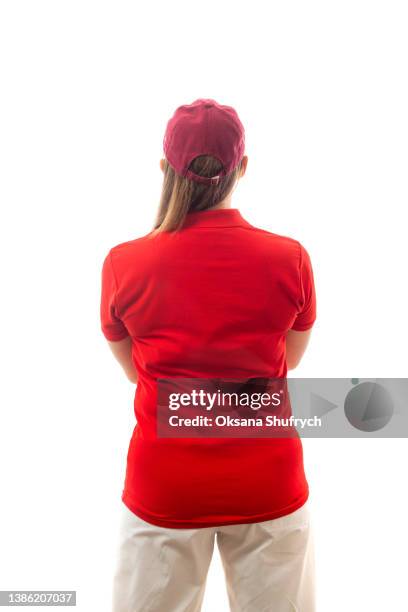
x: 204, y: 128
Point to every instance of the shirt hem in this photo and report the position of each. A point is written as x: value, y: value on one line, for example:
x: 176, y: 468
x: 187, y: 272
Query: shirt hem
x: 183, y: 524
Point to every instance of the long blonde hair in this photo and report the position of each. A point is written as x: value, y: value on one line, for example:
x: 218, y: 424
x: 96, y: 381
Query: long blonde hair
x: 181, y: 195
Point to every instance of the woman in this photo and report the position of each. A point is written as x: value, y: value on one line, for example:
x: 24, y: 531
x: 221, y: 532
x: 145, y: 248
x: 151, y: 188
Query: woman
x: 206, y: 295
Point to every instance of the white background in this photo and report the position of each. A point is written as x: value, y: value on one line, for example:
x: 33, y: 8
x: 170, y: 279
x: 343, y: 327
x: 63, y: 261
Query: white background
x: 86, y: 90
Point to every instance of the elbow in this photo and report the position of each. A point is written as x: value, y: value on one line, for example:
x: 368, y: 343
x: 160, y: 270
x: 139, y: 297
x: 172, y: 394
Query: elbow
x: 292, y: 364
x: 132, y: 377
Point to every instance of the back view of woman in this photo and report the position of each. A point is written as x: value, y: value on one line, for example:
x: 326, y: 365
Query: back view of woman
x: 206, y: 295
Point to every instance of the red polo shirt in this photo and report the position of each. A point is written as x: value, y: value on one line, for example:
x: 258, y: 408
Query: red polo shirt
x: 214, y: 299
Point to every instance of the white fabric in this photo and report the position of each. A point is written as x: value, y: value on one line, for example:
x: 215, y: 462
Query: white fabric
x: 269, y: 565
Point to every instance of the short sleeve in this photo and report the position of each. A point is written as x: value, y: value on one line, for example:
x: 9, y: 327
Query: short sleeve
x: 112, y: 326
x: 306, y: 315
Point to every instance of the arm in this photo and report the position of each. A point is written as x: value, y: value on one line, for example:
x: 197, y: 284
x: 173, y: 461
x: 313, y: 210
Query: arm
x: 112, y: 325
x: 297, y: 338
x: 296, y: 343
x: 122, y: 350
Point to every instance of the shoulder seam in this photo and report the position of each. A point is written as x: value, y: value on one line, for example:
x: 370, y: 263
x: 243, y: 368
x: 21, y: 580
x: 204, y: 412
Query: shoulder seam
x: 272, y: 234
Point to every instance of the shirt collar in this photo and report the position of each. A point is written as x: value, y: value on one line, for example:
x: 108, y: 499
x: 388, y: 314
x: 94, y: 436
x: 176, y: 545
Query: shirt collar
x: 216, y: 217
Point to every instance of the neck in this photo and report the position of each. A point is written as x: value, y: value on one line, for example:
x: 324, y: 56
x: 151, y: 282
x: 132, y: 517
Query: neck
x: 224, y: 204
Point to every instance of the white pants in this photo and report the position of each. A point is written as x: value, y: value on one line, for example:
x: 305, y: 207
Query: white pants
x: 269, y: 566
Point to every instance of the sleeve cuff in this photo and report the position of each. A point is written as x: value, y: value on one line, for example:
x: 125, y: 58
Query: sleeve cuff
x: 114, y: 335
x: 303, y: 326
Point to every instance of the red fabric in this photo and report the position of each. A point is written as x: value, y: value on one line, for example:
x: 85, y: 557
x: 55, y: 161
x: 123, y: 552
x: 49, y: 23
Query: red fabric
x: 212, y: 300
